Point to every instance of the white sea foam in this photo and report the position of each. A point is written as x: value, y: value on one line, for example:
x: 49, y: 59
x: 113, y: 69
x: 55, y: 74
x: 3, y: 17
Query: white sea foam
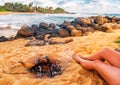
x: 15, y: 21
x: 8, y: 32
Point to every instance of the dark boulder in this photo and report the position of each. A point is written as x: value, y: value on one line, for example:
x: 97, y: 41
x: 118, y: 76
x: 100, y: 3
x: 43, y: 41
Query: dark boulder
x: 116, y: 26
x: 35, y: 27
x: 108, y: 17
x: 41, y: 31
x: 3, y: 39
x: 65, y: 24
x: 76, y: 33
x: 87, y: 29
x: 106, y: 20
x: 74, y: 23
x: 107, y: 27
x: 54, y: 41
x: 70, y: 28
x: 48, y: 36
x: 29, y: 38
x: 53, y: 31
x: 118, y: 22
x: 51, y: 25
x: 92, y: 19
x: 99, y: 20
x: 95, y: 26
x: 39, y: 37
x: 83, y: 21
x: 54, y: 35
x: 115, y: 19
x: 43, y: 25
x: 35, y: 43
x: 63, y: 33
x: 77, y: 26
x: 25, y: 31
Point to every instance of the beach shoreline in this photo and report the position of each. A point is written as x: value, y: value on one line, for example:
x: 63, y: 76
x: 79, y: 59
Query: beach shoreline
x: 6, y: 13
x: 85, y: 41
x: 39, y: 39
x: 13, y: 51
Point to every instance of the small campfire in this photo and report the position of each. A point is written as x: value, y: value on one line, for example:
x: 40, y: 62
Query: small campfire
x: 46, y: 67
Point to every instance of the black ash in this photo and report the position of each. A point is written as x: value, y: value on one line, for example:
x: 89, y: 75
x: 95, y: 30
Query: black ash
x: 47, y: 67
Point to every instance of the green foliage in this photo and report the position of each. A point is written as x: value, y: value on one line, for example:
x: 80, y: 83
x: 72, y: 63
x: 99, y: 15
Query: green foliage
x: 118, y: 40
x: 18, y: 7
x: 25, y: 8
x: 59, y: 10
x: 9, y: 6
x: 2, y: 9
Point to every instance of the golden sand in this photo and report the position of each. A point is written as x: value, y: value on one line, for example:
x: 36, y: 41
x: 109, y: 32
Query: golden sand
x: 13, y: 73
x: 6, y: 13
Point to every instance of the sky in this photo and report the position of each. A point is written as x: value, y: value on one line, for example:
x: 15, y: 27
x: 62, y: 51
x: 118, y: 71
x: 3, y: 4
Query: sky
x: 77, y: 6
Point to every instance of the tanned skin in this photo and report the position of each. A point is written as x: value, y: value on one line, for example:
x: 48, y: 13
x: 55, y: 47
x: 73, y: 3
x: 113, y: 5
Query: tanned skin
x: 109, y: 72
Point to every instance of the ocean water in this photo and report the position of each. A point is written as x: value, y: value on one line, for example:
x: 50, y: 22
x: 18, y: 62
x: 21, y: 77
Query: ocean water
x: 9, y: 24
x: 15, y: 21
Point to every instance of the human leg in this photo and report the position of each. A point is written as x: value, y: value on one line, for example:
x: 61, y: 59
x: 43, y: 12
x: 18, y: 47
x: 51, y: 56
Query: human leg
x: 109, y: 73
x: 108, y: 54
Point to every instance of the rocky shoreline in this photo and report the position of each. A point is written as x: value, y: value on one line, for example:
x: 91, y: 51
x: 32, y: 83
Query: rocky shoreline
x: 44, y: 32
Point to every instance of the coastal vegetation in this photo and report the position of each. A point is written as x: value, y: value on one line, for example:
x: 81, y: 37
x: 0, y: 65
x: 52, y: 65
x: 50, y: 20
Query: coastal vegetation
x: 2, y: 9
x: 118, y: 40
x: 19, y: 7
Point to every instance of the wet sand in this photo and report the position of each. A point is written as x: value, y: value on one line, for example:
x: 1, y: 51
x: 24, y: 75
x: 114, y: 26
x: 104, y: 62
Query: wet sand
x: 13, y: 73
